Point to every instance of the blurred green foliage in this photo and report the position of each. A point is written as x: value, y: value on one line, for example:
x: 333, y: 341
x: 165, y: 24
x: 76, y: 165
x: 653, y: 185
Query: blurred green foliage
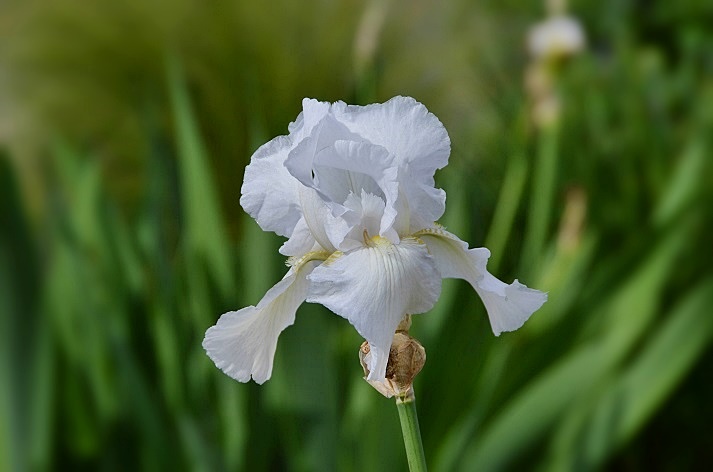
x: 124, y: 130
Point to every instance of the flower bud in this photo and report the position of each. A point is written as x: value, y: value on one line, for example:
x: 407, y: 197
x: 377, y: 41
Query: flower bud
x: 406, y: 359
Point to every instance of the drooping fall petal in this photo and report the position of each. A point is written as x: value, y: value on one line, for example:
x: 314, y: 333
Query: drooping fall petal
x: 374, y: 287
x: 242, y: 343
x: 508, y: 306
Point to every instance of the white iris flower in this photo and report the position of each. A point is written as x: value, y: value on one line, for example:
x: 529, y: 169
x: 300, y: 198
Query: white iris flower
x: 352, y: 188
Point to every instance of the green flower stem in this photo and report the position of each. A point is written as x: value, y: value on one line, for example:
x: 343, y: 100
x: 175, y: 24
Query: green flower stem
x: 406, y: 405
x: 542, y: 199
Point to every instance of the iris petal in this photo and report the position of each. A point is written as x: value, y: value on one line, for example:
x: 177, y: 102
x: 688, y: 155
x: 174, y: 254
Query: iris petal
x: 269, y: 192
x: 242, y: 343
x: 350, y: 167
x: 508, y: 306
x: 374, y: 287
x: 406, y: 128
x: 416, y: 138
x: 301, y: 241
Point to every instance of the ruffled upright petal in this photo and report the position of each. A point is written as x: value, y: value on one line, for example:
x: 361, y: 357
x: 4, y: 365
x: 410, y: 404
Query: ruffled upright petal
x: 312, y: 113
x: 269, y: 192
x: 374, y: 287
x: 406, y: 128
x: 349, y: 167
x: 242, y: 343
x: 508, y: 306
x: 324, y: 134
x: 419, y: 142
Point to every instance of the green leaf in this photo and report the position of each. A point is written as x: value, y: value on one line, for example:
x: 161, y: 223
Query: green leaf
x: 634, y: 395
x: 204, y: 228
x: 539, y: 405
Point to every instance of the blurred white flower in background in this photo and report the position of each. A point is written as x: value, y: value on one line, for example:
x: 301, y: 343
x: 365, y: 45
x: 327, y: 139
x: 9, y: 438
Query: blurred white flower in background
x: 352, y: 188
x: 558, y: 36
x: 550, y: 42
